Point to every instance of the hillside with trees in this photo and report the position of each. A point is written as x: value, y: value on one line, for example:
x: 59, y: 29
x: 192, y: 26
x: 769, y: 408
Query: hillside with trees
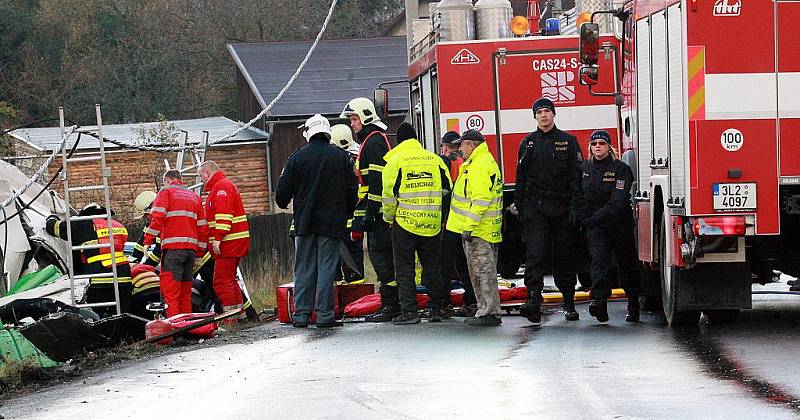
x: 143, y: 58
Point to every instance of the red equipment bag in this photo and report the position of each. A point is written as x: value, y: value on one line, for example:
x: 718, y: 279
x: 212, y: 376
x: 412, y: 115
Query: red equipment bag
x: 370, y: 304
x: 184, y: 320
x: 285, y: 301
x: 457, y: 297
x: 367, y: 305
x: 514, y: 293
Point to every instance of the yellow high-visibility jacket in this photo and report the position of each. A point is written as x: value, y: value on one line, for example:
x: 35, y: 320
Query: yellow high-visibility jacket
x: 414, y: 182
x: 477, y: 201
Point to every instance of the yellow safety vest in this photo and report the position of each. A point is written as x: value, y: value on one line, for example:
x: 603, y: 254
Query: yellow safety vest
x: 412, y: 188
x: 477, y: 202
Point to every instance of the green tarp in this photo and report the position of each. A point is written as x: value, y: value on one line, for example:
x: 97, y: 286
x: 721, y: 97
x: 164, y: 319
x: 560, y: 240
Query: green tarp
x: 42, y: 277
x: 13, y: 346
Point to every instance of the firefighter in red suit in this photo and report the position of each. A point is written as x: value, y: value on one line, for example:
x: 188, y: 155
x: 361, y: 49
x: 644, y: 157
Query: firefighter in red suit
x: 229, y: 233
x: 177, y: 216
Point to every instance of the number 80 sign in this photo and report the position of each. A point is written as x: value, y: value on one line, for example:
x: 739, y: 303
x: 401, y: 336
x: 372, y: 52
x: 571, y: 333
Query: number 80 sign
x: 475, y: 122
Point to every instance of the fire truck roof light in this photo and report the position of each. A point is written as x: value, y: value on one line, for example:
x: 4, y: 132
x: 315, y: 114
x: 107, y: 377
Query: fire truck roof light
x: 720, y: 226
x: 552, y: 26
x: 519, y: 25
x: 584, y: 17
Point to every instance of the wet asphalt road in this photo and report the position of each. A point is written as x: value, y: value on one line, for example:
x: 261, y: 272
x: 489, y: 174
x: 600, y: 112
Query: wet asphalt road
x: 577, y: 370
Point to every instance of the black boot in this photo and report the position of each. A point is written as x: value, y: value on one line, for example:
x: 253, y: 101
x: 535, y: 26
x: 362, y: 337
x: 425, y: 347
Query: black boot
x: 570, y: 314
x: 485, y: 321
x: 633, y: 308
x: 599, y: 309
x: 385, y: 314
x: 531, y: 310
x: 390, y: 305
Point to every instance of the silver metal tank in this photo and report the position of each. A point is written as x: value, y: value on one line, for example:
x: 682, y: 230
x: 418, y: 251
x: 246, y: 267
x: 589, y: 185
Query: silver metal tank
x: 456, y: 20
x: 493, y: 19
x: 605, y: 20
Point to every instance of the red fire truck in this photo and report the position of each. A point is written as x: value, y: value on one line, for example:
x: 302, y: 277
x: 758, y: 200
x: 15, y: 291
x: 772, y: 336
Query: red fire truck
x: 490, y: 85
x: 711, y: 113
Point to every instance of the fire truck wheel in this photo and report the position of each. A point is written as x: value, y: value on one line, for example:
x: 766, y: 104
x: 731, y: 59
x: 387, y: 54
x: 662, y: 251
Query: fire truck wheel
x: 670, y: 281
x: 721, y: 316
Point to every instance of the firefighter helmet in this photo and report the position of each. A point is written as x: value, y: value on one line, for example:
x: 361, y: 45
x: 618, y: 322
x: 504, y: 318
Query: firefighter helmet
x: 142, y: 204
x: 315, y: 125
x: 93, y: 209
x: 341, y: 136
x: 365, y: 110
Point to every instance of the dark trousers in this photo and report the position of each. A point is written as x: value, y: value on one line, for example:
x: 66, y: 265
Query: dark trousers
x: 356, y: 250
x: 617, y: 239
x: 315, y: 262
x: 455, y: 260
x: 541, y: 233
x: 429, y: 250
x: 379, y: 246
x: 583, y: 260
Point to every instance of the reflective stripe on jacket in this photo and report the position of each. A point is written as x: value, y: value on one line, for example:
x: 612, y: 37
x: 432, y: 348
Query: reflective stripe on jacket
x: 177, y: 216
x: 414, y: 181
x: 95, y: 261
x: 103, y: 237
x: 477, y: 201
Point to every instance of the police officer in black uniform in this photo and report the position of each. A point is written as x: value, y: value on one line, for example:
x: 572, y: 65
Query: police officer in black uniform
x: 610, y: 228
x: 548, y: 200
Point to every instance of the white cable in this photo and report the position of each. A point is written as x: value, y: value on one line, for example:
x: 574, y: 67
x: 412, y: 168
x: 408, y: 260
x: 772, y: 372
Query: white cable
x: 257, y: 117
x: 41, y: 170
x: 288, y: 84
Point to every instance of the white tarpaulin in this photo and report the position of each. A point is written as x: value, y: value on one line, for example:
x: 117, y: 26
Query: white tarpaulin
x: 15, y: 241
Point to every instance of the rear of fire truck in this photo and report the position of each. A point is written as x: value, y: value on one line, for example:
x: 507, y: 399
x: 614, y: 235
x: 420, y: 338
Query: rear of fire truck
x: 710, y: 108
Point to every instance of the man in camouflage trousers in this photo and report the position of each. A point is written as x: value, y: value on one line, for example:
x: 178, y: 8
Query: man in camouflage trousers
x: 476, y: 212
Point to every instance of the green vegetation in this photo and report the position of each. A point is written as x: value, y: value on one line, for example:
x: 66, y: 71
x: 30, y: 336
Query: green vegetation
x: 142, y: 58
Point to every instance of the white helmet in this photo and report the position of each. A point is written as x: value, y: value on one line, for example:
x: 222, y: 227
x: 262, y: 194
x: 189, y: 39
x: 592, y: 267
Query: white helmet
x: 315, y: 125
x: 365, y: 110
x: 142, y: 203
x: 341, y: 136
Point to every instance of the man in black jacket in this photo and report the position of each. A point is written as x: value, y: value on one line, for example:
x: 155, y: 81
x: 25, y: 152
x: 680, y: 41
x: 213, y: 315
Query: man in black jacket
x: 320, y: 179
x: 374, y: 146
x: 549, y: 200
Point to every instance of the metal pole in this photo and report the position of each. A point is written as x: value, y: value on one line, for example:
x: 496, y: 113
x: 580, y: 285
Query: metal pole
x: 106, y: 171
x: 65, y: 183
x: 412, y: 12
x: 182, y: 144
x: 270, y: 189
x: 204, y: 150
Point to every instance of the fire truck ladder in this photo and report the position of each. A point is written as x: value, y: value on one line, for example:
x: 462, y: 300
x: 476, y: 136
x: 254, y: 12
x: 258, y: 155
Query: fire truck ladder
x: 105, y: 173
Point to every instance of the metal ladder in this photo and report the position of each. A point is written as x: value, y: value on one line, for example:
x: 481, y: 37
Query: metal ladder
x: 105, y: 173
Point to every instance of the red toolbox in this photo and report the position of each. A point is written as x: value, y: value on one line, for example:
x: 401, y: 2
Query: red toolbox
x: 349, y: 293
x: 285, y: 301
